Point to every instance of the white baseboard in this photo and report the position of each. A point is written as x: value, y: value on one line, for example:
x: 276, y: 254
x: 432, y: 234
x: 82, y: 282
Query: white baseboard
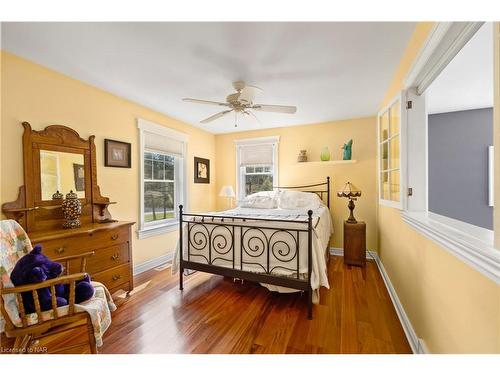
x: 370, y: 254
x: 152, y: 263
x: 417, y: 345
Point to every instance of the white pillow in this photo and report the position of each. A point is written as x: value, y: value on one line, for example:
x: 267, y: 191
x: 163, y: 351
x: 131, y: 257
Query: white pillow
x: 262, y: 199
x: 290, y: 200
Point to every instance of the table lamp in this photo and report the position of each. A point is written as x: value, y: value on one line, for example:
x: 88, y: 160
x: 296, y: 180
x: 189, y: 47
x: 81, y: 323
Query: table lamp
x: 350, y: 192
x: 227, y: 191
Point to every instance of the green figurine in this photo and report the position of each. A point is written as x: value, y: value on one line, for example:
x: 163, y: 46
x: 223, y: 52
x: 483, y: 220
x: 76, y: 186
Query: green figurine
x: 347, y: 150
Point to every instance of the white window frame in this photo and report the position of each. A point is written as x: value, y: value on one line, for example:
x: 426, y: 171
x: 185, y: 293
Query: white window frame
x: 177, y: 193
x: 469, y: 243
x: 402, y: 153
x: 274, y: 141
x: 167, y: 225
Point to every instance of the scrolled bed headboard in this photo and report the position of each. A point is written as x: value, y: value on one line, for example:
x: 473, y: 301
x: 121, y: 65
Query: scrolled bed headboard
x: 319, y: 189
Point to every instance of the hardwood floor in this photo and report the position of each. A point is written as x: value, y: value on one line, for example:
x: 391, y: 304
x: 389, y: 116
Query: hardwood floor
x: 216, y: 315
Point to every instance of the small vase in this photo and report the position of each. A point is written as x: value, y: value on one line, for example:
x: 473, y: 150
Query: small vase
x: 57, y: 195
x: 302, y: 156
x: 325, y: 154
x: 347, y: 154
x: 72, y: 209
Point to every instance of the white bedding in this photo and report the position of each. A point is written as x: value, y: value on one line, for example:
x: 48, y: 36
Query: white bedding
x: 322, y: 230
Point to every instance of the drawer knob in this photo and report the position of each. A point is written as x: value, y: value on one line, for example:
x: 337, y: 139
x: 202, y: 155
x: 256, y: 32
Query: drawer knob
x: 115, y: 256
x: 60, y: 250
x: 114, y: 237
x: 116, y: 277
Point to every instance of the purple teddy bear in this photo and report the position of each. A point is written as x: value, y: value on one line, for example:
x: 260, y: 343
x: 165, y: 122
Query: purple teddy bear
x: 36, y: 267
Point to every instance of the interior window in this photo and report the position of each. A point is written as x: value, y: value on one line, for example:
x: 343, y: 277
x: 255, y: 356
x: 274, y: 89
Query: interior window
x: 460, y: 134
x: 389, y: 121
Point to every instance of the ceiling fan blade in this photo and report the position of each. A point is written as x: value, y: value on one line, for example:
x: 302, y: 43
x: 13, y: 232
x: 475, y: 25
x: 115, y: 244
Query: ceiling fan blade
x: 200, y: 101
x: 248, y: 93
x: 275, y: 108
x: 250, y: 114
x: 215, y: 117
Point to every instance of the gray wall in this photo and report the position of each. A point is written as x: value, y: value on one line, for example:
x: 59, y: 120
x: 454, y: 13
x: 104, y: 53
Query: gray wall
x: 458, y: 165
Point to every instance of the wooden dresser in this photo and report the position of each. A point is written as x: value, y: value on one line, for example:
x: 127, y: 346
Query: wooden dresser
x: 58, y: 159
x: 112, y: 262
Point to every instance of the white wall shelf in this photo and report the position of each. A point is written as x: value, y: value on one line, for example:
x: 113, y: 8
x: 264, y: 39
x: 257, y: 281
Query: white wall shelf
x: 329, y: 162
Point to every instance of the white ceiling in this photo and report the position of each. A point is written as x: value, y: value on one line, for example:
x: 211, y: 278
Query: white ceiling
x: 330, y: 71
x: 467, y: 81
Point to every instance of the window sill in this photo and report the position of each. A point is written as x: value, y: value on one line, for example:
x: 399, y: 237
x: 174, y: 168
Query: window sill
x: 471, y: 244
x: 157, y: 230
x: 389, y: 203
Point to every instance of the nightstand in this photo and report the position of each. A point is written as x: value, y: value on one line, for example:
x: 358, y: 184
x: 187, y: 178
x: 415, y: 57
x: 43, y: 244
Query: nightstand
x: 355, y: 243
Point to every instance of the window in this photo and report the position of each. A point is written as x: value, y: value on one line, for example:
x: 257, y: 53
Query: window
x: 389, y: 144
x: 256, y: 164
x: 257, y: 178
x: 159, y: 186
x: 161, y: 178
x: 426, y: 167
x: 459, y: 131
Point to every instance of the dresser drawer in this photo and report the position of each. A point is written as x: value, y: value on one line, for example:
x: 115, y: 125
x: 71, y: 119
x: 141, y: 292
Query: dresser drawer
x: 113, y: 277
x: 107, y: 258
x: 106, y: 238
x: 88, y: 241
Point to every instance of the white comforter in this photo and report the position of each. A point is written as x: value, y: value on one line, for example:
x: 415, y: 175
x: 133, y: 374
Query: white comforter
x: 322, y: 230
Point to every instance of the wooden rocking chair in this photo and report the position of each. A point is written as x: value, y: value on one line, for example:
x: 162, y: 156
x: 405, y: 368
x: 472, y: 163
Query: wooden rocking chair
x: 52, y: 321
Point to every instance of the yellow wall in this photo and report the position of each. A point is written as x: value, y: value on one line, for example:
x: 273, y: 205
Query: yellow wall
x: 313, y: 138
x: 452, y: 307
x: 43, y: 97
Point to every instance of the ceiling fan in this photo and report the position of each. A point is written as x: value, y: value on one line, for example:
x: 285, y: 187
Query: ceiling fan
x: 241, y: 102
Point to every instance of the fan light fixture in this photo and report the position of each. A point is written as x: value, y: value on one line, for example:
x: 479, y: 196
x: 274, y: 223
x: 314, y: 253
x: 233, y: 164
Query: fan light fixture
x: 242, y: 102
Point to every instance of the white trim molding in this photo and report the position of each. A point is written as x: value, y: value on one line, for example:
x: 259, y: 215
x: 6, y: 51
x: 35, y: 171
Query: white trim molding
x: 417, y: 344
x: 150, y: 231
x: 151, y: 127
x: 471, y: 244
x: 338, y: 251
x: 257, y: 141
x: 153, y: 263
x: 145, y: 126
x: 444, y: 42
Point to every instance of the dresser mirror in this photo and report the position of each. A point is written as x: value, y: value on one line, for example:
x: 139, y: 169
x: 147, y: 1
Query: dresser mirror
x: 57, y: 159
x: 61, y: 172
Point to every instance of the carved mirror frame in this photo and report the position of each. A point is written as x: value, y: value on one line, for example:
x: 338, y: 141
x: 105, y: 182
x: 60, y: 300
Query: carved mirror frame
x: 35, y: 214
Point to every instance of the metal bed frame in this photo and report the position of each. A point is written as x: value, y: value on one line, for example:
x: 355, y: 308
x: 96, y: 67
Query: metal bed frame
x: 254, y: 241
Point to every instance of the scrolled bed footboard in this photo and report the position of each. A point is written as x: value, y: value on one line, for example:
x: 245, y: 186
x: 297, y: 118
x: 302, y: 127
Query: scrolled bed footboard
x: 261, y: 250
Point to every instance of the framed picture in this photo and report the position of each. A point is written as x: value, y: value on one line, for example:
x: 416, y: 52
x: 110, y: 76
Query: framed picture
x: 117, y: 154
x: 79, y: 174
x: 201, y: 170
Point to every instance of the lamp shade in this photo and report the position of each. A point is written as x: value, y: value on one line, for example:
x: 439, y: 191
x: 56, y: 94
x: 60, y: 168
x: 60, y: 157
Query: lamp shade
x: 227, y: 191
x: 349, y: 191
